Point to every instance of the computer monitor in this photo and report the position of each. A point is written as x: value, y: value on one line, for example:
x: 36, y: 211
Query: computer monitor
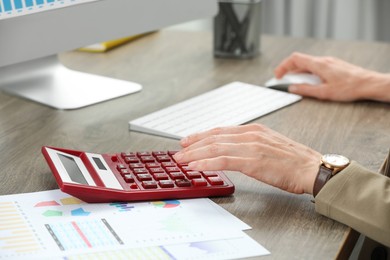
x: 33, y: 32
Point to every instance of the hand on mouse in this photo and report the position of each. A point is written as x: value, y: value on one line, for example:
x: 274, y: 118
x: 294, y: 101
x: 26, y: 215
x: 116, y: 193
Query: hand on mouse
x: 342, y: 81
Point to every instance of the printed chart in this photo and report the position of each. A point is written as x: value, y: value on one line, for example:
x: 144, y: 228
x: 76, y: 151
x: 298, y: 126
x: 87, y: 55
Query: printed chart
x: 13, y: 8
x: 17, y: 236
x: 54, y: 225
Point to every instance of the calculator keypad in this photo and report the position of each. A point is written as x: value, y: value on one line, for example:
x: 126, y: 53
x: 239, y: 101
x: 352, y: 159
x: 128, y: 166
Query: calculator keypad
x: 158, y: 170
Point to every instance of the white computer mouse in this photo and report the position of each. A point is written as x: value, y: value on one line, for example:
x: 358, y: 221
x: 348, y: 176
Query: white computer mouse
x: 293, y: 78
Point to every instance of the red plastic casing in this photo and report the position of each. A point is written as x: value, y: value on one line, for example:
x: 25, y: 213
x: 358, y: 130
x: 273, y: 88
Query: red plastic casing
x: 100, y: 193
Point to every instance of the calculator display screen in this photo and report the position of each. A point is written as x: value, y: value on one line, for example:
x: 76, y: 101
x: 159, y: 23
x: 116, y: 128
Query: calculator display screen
x: 99, y: 163
x: 72, y: 169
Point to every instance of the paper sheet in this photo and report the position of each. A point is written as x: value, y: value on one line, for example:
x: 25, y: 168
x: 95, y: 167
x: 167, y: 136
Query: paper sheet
x: 52, y: 224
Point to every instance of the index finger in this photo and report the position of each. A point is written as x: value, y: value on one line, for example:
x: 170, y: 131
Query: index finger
x: 298, y: 62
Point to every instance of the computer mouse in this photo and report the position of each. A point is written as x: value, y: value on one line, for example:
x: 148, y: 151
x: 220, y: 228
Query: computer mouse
x: 293, y: 78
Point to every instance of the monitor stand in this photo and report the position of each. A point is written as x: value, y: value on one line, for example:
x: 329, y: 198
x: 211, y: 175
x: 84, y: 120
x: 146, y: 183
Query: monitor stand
x: 48, y: 82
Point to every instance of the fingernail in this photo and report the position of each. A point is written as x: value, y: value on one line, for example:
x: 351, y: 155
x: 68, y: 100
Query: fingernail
x: 192, y: 165
x: 184, y: 141
x: 178, y: 156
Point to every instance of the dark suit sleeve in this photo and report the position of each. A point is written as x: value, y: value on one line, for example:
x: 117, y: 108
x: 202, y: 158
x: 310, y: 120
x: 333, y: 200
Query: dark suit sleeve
x: 360, y: 199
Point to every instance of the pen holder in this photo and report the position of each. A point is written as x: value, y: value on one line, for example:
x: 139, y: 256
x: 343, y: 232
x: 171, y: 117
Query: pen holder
x: 237, y: 29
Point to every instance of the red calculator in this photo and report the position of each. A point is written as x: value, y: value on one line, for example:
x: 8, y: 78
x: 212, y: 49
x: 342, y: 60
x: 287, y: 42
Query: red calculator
x: 131, y: 176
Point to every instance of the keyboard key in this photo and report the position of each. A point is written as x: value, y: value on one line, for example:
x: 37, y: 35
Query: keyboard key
x: 136, y: 165
x: 163, y: 158
x: 193, y: 174
x: 144, y: 177
x: 210, y: 173
x: 140, y: 171
x: 152, y: 165
x: 199, y: 182
x: 166, y: 184
x: 131, y: 154
x: 183, y: 183
x: 156, y: 170
x: 215, y: 181
x: 149, y: 184
x: 121, y: 166
x: 129, y: 160
x: 176, y: 175
x: 129, y: 178
x: 161, y: 176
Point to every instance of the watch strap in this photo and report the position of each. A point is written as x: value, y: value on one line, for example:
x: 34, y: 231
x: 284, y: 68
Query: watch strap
x: 323, y: 176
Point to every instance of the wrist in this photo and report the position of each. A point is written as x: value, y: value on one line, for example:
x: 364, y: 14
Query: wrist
x: 331, y: 164
x: 377, y: 87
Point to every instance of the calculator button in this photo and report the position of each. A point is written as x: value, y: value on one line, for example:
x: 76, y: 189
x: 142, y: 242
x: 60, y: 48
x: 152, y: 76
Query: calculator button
x: 163, y: 158
x: 152, y: 165
x: 172, y: 152
x: 114, y: 158
x: 120, y: 166
x: 156, y: 153
x: 156, y: 170
x: 147, y: 159
x: 215, y: 181
x: 129, y: 160
x: 161, y: 176
x: 129, y: 178
x: 144, y: 177
x: 149, y: 184
x: 199, y: 182
x: 136, y: 165
x: 176, y: 175
x: 172, y: 169
x: 185, y: 168
x: 133, y: 186
x: 144, y: 154
x: 127, y: 154
x: 183, y: 183
x: 168, y: 164
x: 193, y: 174
x: 140, y: 171
x: 124, y: 171
x: 166, y: 184
x: 210, y: 173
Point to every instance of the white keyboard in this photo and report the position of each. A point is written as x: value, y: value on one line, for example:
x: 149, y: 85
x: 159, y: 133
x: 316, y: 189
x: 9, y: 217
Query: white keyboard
x: 232, y: 104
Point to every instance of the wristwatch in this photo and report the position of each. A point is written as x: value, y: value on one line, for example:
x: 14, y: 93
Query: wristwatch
x: 330, y: 165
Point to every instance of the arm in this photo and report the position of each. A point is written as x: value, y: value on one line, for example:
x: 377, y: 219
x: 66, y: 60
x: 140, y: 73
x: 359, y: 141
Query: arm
x: 360, y: 199
x: 342, y: 81
x: 352, y: 197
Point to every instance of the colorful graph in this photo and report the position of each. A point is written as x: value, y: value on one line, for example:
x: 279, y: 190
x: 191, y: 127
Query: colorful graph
x: 16, y: 235
x: 71, y: 201
x: 83, y: 234
x: 166, y: 203
x: 80, y: 212
x: 122, y: 206
x: 52, y: 213
x: 9, y: 8
x: 47, y: 203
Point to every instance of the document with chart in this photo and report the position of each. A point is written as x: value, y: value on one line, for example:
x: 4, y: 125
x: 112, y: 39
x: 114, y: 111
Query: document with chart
x: 13, y: 8
x: 54, y: 225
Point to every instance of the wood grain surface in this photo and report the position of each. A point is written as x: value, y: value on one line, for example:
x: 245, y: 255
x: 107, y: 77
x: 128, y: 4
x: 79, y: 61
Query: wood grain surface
x: 174, y: 66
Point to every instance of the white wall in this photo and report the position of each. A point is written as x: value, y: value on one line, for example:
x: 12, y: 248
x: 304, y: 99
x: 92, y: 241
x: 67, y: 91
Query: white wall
x: 367, y: 20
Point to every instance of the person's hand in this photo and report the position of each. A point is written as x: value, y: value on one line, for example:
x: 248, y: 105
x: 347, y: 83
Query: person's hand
x: 256, y: 151
x: 342, y: 81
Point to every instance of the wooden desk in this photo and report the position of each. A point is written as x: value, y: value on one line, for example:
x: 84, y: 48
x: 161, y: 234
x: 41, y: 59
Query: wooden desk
x: 174, y: 66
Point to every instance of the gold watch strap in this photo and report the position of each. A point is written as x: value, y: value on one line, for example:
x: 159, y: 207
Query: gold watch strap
x: 323, y: 176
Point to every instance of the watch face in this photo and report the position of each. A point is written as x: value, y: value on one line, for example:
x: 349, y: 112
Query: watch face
x: 335, y: 160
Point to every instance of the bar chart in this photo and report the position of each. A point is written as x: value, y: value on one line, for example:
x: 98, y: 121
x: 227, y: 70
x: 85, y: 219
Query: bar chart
x: 14, y: 8
x: 17, y: 236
